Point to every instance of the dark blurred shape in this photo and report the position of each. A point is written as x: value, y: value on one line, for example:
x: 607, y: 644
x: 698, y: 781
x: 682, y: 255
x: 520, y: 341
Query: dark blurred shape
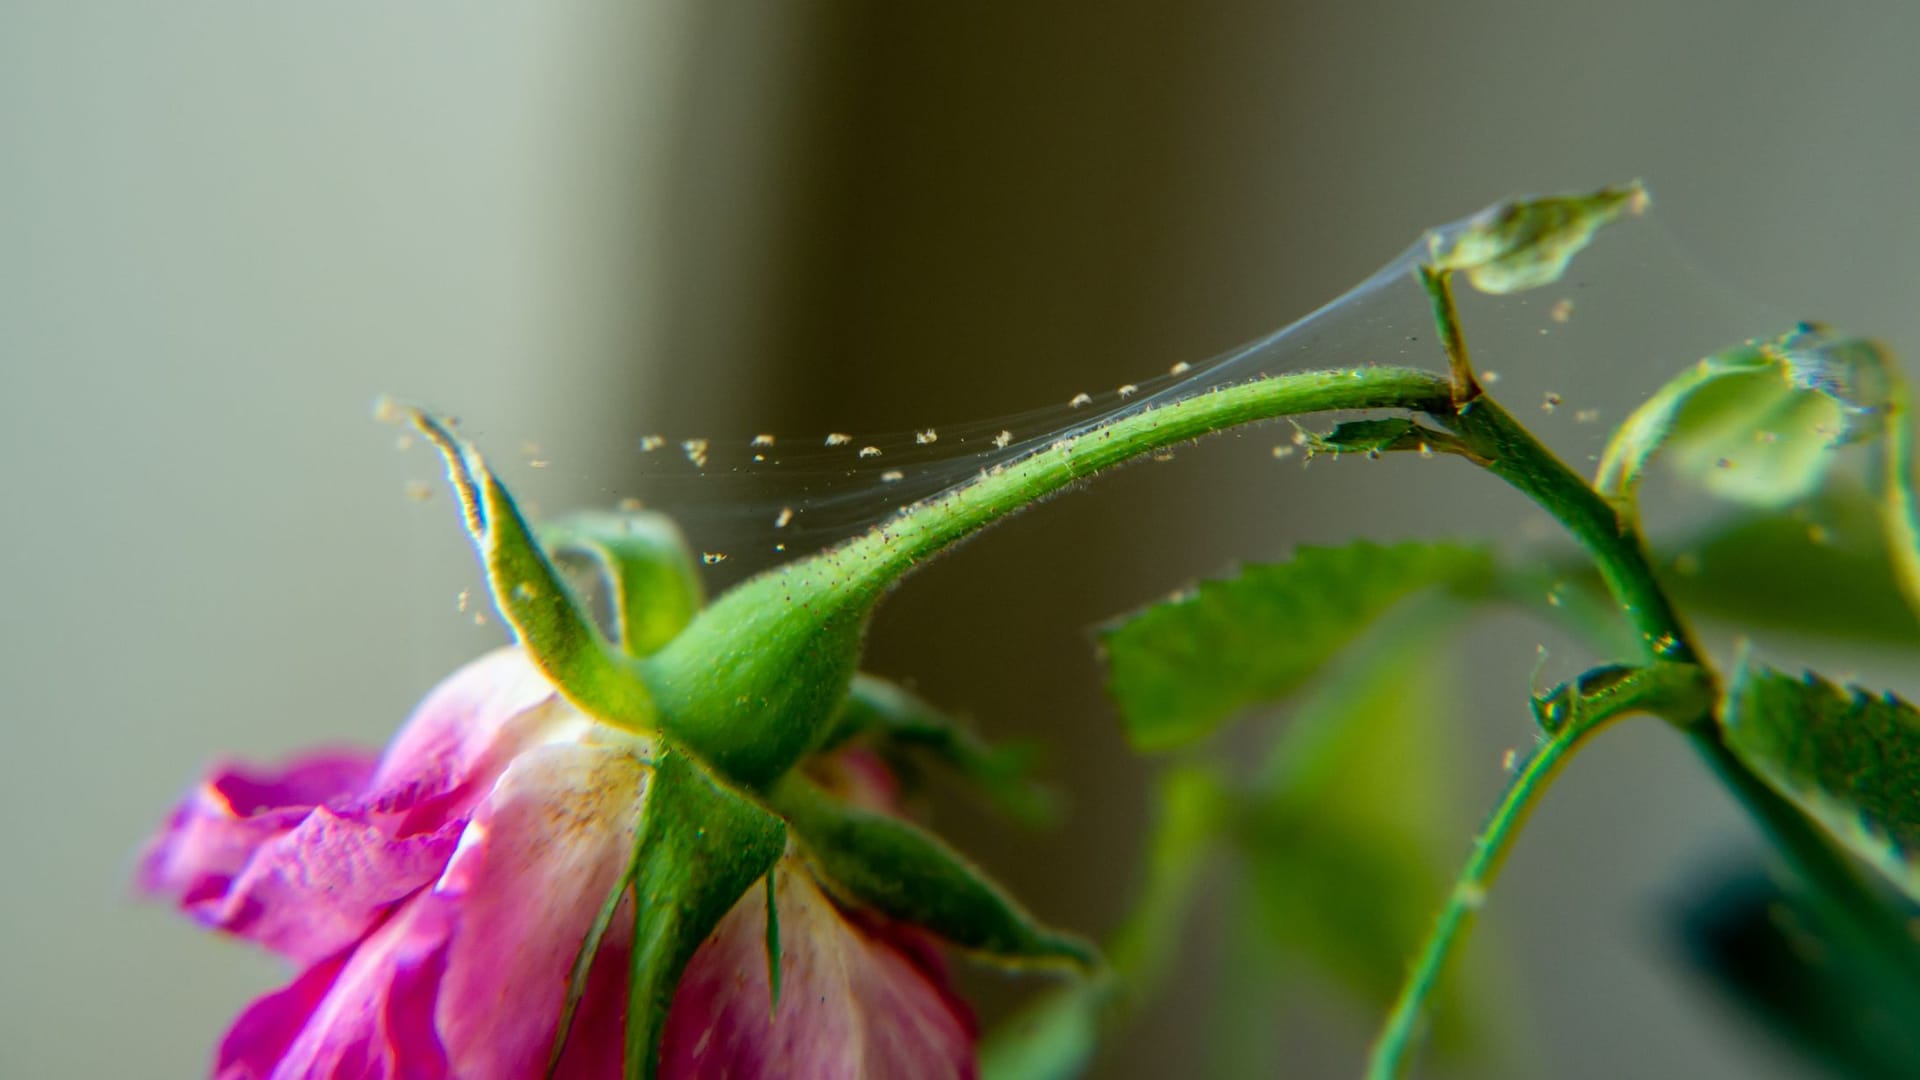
x: 1762, y: 948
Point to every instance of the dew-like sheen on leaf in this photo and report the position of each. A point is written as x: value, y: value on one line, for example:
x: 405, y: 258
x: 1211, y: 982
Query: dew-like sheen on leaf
x: 1181, y: 668
x: 1757, y: 424
x: 1845, y: 757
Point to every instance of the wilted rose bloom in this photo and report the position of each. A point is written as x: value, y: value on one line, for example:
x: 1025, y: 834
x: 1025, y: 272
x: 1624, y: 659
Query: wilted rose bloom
x: 436, y: 898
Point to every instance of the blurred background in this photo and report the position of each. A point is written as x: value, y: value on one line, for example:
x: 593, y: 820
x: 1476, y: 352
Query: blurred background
x: 227, y: 227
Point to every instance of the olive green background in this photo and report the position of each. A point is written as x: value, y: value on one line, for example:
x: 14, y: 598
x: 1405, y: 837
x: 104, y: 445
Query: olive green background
x: 225, y: 227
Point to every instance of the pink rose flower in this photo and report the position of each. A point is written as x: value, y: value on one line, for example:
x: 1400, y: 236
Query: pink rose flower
x: 436, y: 899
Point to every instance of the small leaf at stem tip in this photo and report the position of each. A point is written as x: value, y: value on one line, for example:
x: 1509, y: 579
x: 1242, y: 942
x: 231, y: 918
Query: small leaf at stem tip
x: 1180, y: 669
x: 905, y: 873
x: 1527, y: 243
x: 646, y: 565
x: 701, y: 846
x: 531, y: 595
x: 1848, y: 759
x: 1376, y: 437
x: 1758, y: 424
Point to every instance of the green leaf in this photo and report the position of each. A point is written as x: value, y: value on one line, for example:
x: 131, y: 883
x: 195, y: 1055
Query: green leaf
x: 1056, y: 1037
x: 1052, y: 1039
x: 895, y: 868
x: 653, y: 586
x: 1376, y: 437
x: 1346, y: 837
x: 1822, y: 567
x: 1848, y: 759
x: 1181, y: 668
x: 1192, y: 813
x: 1528, y: 243
x: 1757, y: 424
x: 1771, y: 951
x: 701, y: 846
x: 886, y: 711
x: 531, y: 595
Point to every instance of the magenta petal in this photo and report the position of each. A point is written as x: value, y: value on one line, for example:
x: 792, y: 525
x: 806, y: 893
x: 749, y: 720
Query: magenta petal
x: 317, y: 888
x: 362, y: 1015
x: 852, y: 1006
x: 304, y: 860
x: 212, y: 835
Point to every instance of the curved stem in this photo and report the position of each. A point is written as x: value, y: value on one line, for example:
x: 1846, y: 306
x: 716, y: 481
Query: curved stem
x: 1396, y: 1040
x: 1513, y: 454
x: 1491, y: 436
x: 867, y: 565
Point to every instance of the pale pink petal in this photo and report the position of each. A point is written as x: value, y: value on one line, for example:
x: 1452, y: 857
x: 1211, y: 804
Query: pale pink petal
x: 852, y: 1006
x: 538, y: 860
x: 363, y: 1015
x: 461, y: 736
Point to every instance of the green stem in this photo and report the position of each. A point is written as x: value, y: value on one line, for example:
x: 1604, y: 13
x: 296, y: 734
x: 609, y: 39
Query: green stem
x: 869, y: 564
x: 1396, y: 1040
x: 1513, y: 454
x: 1508, y: 450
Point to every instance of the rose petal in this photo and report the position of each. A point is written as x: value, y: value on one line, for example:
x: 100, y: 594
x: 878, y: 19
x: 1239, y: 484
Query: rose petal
x: 305, y: 859
x: 460, y: 737
x: 318, y: 887
x: 216, y: 829
x: 364, y: 1014
x: 852, y: 1006
x: 534, y: 867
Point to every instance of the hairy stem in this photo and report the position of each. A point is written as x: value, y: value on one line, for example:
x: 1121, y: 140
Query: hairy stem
x: 872, y: 562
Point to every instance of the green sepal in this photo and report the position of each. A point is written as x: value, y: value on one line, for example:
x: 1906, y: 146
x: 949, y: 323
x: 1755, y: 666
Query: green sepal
x: 701, y: 846
x: 878, y: 709
x: 1179, y: 669
x: 1527, y: 243
x: 1846, y: 758
x: 533, y: 598
x: 653, y: 588
x: 582, y: 967
x: 880, y: 862
x: 775, y: 956
x: 1756, y: 424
